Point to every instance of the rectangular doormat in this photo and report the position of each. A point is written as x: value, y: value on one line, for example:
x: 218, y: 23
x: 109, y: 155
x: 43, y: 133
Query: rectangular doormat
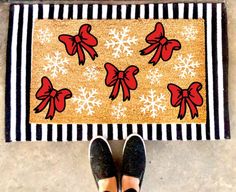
x: 77, y: 71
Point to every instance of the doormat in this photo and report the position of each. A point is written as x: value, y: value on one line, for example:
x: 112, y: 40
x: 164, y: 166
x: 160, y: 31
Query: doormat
x: 77, y: 71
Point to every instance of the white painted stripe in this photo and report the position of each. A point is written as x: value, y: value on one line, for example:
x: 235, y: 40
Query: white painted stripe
x: 190, y: 10
x: 220, y: 70
x: 85, y: 11
x: 164, y: 132
x: 33, y: 132
x: 124, y: 130
x: 44, y: 132
x: 145, y: 131
x: 184, y: 132
x: 114, y: 11
x: 181, y: 10
x: 203, y: 131
x: 74, y: 132
x: 194, y: 131
x: 23, y: 72
x: 160, y: 11
x: 95, y: 11
x: 170, y: 11
x: 133, y: 7
x: 104, y: 11
x: 75, y: 11
x: 135, y: 128
x: 56, y: 11
x: 209, y: 69
x: 123, y: 11
x: 200, y: 10
x: 95, y: 130
x: 64, y: 132
x: 84, y: 132
x: 65, y: 11
x: 174, y: 132
x: 45, y: 11
x: 115, y: 131
x: 151, y: 11
x: 104, y: 131
x: 54, y: 132
x: 142, y: 12
x: 154, y: 131
x: 13, y: 72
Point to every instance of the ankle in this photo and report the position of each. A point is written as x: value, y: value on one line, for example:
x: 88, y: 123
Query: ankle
x: 108, y: 184
x: 130, y: 184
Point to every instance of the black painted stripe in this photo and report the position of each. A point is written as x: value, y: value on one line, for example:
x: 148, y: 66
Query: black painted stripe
x: 129, y: 129
x: 175, y: 11
x: 109, y: 12
x: 90, y: 131
x: 140, y: 129
x: 61, y: 9
x: 118, y: 11
x: 189, y: 132
x: 90, y: 11
x: 70, y: 11
x: 99, y: 130
x: 146, y: 11
x: 79, y: 132
x: 199, y: 132
x: 79, y: 13
x: 156, y: 11
x: 38, y: 132
x: 186, y: 6
x: 137, y: 11
x: 120, y: 135
x: 40, y: 11
x: 225, y: 71
x: 206, y: 64
x: 165, y: 11
x: 168, y: 132
x: 179, y: 132
x: 69, y: 132
x: 159, y: 131
x: 215, y: 71
x: 28, y: 71
x: 195, y: 12
x: 51, y: 11
x: 59, y: 132
x: 8, y: 77
x: 18, y: 74
x: 49, y: 135
x: 99, y: 11
x: 128, y: 11
x: 110, y: 131
x: 149, y: 131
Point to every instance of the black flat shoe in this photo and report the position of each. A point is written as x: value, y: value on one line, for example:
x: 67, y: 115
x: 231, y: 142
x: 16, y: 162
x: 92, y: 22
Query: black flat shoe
x: 134, y: 159
x: 101, y: 161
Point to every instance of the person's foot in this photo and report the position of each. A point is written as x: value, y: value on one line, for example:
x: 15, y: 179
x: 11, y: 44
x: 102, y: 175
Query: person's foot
x: 134, y: 162
x: 102, y: 165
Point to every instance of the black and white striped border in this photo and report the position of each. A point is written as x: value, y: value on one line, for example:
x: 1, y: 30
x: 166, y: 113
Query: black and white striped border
x: 18, y: 72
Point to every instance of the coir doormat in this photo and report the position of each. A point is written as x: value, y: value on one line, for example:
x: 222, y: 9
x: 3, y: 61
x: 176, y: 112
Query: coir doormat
x: 77, y: 71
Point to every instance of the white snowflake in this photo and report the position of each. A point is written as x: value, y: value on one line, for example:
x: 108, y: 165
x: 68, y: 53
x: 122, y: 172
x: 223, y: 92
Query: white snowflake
x: 186, y: 66
x: 118, y: 111
x: 86, y: 101
x: 189, y: 33
x: 55, y: 64
x: 44, y: 35
x: 153, y: 103
x: 120, y: 42
x: 91, y: 73
x: 154, y: 76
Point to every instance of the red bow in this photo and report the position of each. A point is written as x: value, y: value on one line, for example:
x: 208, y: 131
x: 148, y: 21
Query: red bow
x: 84, y: 40
x: 191, y: 96
x: 56, y: 99
x: 125, y: 78
x: 158, y: 41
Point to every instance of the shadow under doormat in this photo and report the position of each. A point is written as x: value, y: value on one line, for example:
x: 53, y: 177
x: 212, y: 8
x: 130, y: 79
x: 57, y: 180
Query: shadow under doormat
x: 76, y: 71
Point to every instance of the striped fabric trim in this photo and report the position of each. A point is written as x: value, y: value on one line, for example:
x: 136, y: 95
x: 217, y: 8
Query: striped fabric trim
x: 18, y: 72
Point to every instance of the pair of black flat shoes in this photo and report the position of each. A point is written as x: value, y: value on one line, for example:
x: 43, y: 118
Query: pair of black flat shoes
x: 103, y: 168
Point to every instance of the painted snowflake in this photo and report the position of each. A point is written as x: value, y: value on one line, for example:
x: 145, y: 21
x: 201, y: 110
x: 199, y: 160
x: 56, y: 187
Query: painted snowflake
x: 55, y: 64
x: 153, y: 103
x: 189, y: 33
x: 120, y: 42
x: 154, y: 76
x: 86, y: 101
x: 44, y: 36
x: 118, y: 111
x: 91, y: 73
x: 186, y: 66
